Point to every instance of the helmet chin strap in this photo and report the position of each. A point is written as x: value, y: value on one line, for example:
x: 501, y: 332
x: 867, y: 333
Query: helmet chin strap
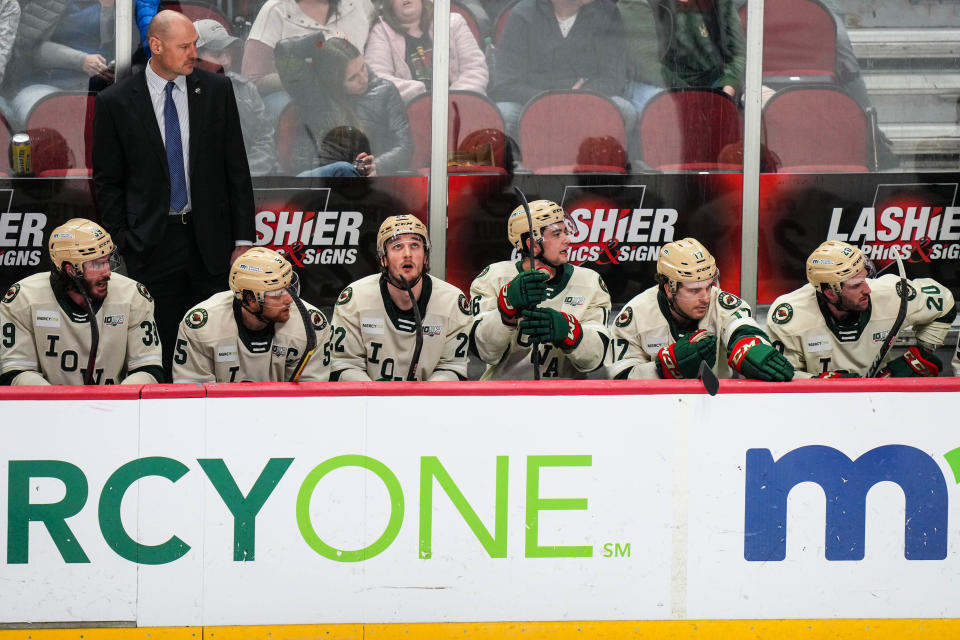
x: 258, y: 314
x: 542, y: 257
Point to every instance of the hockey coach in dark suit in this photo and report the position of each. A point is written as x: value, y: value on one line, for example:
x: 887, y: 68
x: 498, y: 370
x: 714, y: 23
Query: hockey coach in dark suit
x: 170, y: 173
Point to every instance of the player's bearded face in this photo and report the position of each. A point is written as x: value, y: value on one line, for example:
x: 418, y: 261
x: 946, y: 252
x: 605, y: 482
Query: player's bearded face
x: 276, y: 306
x: 693, y: 298
x: 855, y: 293
x: 556, y: 243
x: 96, y: 275
x: 405, y: 257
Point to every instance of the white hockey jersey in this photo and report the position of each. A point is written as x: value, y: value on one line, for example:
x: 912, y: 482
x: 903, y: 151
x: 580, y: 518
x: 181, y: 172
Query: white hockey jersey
x: 374, y: 340
x: 50, y: 335
x: 213, y: 345
x: 573, y: 290
x: 814, y: 342
x: 645, y: 325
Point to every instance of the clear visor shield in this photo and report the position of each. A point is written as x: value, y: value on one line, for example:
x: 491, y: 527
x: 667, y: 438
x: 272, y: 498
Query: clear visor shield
x: 293, y: 288
x: 559, y: 228
x: 705, y: 284
x: 855, y: 281
x: 109, y: 262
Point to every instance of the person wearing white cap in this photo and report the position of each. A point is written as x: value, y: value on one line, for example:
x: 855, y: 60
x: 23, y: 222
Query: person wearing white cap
x: 217, y: 50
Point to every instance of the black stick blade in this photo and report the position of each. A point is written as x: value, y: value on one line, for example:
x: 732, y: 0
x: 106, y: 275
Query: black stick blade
x: 708, y: 378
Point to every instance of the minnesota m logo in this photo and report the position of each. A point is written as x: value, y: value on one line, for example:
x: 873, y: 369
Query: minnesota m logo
x: 845, y: 484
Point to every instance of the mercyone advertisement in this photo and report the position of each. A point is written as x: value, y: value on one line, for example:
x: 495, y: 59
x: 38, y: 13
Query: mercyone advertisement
x: 441, y: 508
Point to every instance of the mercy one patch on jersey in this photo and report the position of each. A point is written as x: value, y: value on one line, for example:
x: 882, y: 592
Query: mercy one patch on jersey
x: 783, y: 313
x: 816, y: 344
x: 227, y: 353
x: 625, y: 317
x: 46, y: 318
x: 345, y: 296
x: 728, y: 300
x: 12, y: 292
x: 376, y: 326
x: 196, y: 318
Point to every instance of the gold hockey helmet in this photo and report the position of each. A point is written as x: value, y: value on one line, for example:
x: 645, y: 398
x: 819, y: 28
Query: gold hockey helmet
x: 263, y: 272
x: 833, y: 262
x: 399, y: 225
x: 77, y: 241
x: 543, y: 213
x: 686, y: 261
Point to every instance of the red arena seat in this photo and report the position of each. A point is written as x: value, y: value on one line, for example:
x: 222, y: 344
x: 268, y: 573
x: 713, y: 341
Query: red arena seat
x: 688, y: 129
x: 475, y: 136
x: 60, y: 127
x: 799, y: 42
x: 572, y: 132
x: 817, y: 129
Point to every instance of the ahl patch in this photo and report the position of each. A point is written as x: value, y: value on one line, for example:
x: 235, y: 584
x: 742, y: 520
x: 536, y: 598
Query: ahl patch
x: 783, y: 313
x: 464, y: 304
x: 12, y: 292
x: 911, y: 292
x: 728, y: 300
x: 196, y: 318
x: 319, y: 322
x: 625, y: 317
x: 345, y: 296
x: 143, y: 291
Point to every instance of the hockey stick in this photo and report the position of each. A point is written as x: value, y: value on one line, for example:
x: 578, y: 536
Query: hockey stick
x: 708, y: 378
x: 94, y: 330
x: 311, y: 345
x: 418, y: 328
x: 534, y: 345
x: 705, y: 373
x: 898, y: 323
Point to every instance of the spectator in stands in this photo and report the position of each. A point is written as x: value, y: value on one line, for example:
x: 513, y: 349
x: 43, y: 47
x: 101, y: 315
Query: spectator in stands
x: 282, y: 19
x: 217, y: 49
x: 701, y: 44
x: 61, y: 45
x: 400, y: 49
x: 345, y: 94
x: 644, y: 75
x: 560, y: 45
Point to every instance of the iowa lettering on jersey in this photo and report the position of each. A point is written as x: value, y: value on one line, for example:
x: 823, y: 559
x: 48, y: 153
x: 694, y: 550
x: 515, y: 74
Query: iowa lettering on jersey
x: 69, y: 361
x: 549, y: 363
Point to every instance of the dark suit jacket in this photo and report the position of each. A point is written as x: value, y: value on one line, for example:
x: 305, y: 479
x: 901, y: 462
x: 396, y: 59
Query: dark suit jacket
x: 132, y: 180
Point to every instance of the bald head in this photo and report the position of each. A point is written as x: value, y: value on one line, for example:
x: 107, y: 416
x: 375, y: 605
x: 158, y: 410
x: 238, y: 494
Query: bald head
x: 173, y: 44
x: 162, y: 23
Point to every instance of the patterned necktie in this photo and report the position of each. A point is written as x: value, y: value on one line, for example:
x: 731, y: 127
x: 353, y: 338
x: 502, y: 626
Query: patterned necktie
x: 178, y: 179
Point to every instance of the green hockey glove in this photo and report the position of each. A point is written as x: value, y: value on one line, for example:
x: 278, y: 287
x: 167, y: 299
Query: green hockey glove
x: 755, y: 359
x: 550, y: 325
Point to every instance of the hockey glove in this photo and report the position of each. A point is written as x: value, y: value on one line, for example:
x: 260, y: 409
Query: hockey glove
x: 913, y: 363
x: 837, y: 375
x: 755, y: 359
x: 682, y: 358
x: 525, y: 291
x: 550, y: 325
